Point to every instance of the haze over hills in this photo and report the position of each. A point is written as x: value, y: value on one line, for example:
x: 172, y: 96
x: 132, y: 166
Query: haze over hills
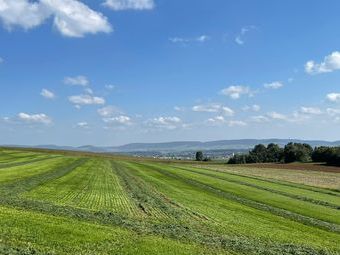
x: 181, y: 146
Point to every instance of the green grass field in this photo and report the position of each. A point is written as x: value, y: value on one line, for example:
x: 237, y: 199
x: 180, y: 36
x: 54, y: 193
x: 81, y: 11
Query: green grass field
x: 72, y: 203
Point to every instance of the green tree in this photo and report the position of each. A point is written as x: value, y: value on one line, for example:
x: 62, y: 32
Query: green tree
x: 297, y: 152
x: 199, y: 156
x: 274, y: 153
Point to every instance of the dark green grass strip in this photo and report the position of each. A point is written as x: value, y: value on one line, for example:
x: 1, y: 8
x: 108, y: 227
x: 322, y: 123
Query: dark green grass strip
x: 145, y: 197
x: 22, y: 163
x: 18, y: 156
x: 27, y: 184
x: 264, y: 207
x: 298, y: 197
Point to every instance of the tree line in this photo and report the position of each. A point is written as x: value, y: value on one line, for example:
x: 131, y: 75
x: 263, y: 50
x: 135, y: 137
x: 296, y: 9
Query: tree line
x: 292, y: 152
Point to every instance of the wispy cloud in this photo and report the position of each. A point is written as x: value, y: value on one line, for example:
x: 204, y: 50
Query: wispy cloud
x: 47, y: 94
x: 253, y: 107
x: 273, y: 85
x: 184, y: 40
x: 334, y: 97
x: 79, y: 80
x: 110, y: 87
x: 169, y: 123
x: 83, y: 125
x: 109, y: 111
x: 240, y: 38
x: 259, y: 118
x: 119, y: 5
x: 220, y: 120
x: 86, y: 100
x: 330, y: 64
x: 310, y: 110
x: 119, y: 120
x: 236, y: 91
x: 214, y: 108
x: 35, y: 118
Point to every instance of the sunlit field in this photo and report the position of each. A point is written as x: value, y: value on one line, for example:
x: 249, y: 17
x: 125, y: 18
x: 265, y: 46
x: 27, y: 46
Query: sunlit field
x: 72, y: 203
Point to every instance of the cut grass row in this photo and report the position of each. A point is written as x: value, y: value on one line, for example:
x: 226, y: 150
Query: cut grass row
x: 307, y: 213
x: 45, y: 234
x: 228, y: 216
x: 92, y: 185
x: 14, y: 174
x: 319, y: 179
x: 300, y: 192
x: 94, y: 206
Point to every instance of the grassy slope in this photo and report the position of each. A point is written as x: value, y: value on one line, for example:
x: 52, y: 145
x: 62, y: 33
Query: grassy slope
x: 108, y: 205
x: 44, y: 233
x: 231, y: 217
x: 312, y: 178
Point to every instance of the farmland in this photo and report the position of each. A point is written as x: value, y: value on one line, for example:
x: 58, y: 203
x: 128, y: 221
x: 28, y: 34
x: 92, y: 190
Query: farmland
x: 74, y: 203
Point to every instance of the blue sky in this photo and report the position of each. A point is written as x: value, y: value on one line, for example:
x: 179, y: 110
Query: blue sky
x: 112, y: 72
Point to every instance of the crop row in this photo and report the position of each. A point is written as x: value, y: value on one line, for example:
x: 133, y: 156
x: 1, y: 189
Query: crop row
x: 93, y: 186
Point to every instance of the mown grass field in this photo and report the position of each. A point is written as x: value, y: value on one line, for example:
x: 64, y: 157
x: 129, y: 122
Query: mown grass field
x: 72, y: 203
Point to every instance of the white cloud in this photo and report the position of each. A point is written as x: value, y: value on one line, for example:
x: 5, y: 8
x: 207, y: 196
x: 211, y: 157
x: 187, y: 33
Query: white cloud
x: 165, y: 123
x: 75, y: 19
x: 255, y: 108
x: 23, y: 13
x: 1, y: 60
x: 311, y: 110
x: 108, y: 111
x: 259, y: 118
x: 179, y: 109
x: 214, y: 108
x: 110, y: 87
x: 120, y: 120
x: 203, y: 38
x: 88, y: 91
x: 35, y: 118
x: 330, y: 63
x: 332, y: 111
x: 334, y: 97
x: 236, y: 123
x: 278, y: 116
x: 84, y: 125
x: 235, y: 92
x: 240, y: 38
x: 207, y: 108
x: 47, y: 94
x: 219, y: 120
x: 182, y: 40
x: 227, y: 111
x: 86, y: 100
x: 72, y: 18
x: 273, y: 85
x: 297, y: 116
x: 119, y: 5
x: 79, y: 80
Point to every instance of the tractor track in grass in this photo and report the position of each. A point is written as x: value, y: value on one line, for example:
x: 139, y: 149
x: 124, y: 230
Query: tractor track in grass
x: 254, y: 204
x: 298, y: 197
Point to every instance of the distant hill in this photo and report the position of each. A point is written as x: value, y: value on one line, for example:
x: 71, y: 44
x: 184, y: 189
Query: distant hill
x: 181, y: 146
x: 214, y: 145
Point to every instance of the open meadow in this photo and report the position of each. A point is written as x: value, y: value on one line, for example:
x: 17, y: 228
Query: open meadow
x: 77, y: 203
